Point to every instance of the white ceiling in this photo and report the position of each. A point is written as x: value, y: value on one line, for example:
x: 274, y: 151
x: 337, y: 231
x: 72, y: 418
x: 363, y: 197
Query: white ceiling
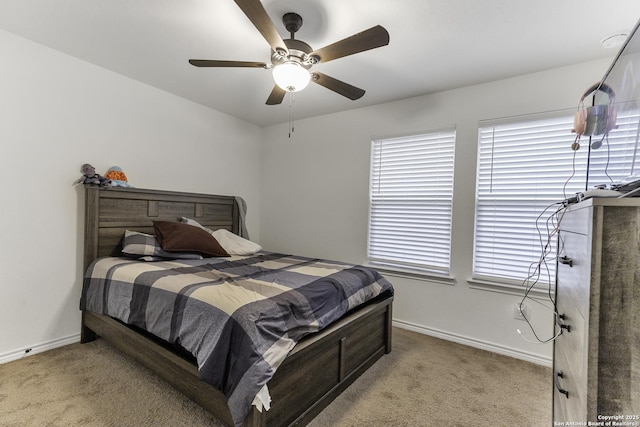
x: 435, y: 44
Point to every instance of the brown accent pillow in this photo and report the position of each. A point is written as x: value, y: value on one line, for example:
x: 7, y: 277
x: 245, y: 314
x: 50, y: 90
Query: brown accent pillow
x: 179, y: 237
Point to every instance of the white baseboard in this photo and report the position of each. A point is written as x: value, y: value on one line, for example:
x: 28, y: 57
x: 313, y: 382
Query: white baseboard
x: 39, y: 348
x: 483, y: 345
x: 472, y: 342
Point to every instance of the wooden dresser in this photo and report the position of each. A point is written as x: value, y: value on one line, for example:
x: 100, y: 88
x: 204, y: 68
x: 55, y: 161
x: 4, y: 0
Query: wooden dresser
x: 596, y: 360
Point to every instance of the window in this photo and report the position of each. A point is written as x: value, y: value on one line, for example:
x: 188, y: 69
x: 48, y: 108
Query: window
x: 523, y: 168
x: 411, y: 193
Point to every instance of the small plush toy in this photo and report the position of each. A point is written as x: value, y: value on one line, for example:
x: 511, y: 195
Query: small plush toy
x: 117, y: 177
x: 89, y: 176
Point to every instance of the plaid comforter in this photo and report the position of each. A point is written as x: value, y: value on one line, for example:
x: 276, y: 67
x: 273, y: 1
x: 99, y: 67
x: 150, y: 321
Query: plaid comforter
x: 239, y: 316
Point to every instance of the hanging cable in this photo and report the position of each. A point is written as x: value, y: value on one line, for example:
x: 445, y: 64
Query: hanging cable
x: 573, y: 173
x: 540, y: 267
x: 605, y: 137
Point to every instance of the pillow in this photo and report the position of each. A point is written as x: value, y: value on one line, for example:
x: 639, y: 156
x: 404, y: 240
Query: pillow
x: 179, y: 237
x: 193, y: 222
x: 145, y: 247
x: 232, y: 243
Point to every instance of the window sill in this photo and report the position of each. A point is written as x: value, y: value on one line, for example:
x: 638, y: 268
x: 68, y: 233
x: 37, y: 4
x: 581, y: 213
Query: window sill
x: 443, y: 279
x: 511, y: 289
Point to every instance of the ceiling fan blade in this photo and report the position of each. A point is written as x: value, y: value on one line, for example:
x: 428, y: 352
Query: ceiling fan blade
x: 259, y: 17
x: 338, y: 86
x: 215, y: 63
x: 369, y: 39
x: 277, y: 95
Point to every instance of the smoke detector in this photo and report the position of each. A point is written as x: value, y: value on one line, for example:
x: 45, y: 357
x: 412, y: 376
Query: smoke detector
x: 614, y: 40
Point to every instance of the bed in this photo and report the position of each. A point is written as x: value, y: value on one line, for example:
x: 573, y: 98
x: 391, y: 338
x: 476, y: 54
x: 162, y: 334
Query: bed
x: 315, y: 371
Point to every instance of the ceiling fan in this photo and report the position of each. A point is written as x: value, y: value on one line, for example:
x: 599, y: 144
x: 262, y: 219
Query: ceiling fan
x: 291, y: 59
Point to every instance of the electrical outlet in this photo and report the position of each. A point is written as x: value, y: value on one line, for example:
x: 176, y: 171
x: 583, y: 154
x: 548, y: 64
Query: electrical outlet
x: 520, y: 311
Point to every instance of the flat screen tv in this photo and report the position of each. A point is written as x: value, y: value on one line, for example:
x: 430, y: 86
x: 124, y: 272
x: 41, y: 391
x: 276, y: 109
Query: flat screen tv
x: 613, y: 120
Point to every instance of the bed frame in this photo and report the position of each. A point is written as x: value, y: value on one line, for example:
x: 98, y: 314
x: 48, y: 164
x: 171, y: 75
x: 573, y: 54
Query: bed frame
x: 316, y: 371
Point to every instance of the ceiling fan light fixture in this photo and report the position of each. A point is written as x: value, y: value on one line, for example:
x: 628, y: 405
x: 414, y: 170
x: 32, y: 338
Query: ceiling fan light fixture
x: 291, y: 76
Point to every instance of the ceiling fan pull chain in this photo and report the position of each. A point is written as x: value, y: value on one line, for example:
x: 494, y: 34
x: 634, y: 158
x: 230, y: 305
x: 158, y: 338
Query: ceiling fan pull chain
x: 291, y: 115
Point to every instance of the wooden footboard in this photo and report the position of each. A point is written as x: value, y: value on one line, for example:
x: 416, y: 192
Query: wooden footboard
x: 323, y: 364
x: 326, y: 363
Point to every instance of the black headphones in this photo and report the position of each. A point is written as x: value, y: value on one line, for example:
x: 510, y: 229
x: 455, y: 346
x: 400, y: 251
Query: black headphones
x: 597, y: 119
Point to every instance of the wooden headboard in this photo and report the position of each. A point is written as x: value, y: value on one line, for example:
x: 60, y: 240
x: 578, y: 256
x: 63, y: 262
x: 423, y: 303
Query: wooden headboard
x: 109, y: 211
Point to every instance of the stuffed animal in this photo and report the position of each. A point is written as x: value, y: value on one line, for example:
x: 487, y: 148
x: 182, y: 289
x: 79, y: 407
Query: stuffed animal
x: 90, y: 177
x: 117, y: 177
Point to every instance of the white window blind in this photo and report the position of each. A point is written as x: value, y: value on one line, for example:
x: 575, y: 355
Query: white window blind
x: 522, y: 169
x: 411, y: 193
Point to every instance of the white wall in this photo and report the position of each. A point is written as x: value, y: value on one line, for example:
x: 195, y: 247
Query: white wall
x: 315, y: 197
x: 57, y: 113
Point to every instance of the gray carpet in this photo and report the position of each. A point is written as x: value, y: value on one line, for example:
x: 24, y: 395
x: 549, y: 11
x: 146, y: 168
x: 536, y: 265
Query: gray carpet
x: 424, y: 381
